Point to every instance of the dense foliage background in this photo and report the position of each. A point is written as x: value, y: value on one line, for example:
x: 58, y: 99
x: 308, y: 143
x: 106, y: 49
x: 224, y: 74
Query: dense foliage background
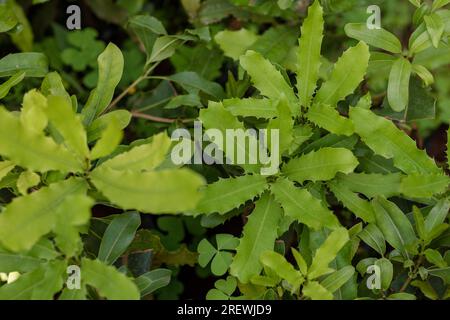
x: 180, y: 59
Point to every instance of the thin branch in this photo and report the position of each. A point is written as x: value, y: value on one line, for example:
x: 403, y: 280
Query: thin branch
x: 140, y: 115
x: 410, y: 278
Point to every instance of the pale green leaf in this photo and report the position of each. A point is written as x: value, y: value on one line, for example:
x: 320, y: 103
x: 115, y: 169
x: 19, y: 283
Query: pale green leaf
x: 398, y: 88
x: 282, y: 268
x: 27, y: 180
x: 435, y: 28
x: 337, y: 279
x: 151, y: 281
x: 5, y: 168
x: 321, y: 165
x: 302, y: 206
x: 308, y: 55
x: 329, y: 119
x: 108, y: 142
x: 424, y: 186
x: 347, y: 74
x: 167, y: 191
x: 227, y: 194
x: 109, y: 282
x: 379, y: 38
x: 373, y: 237
x: 110, y: 65
x: 437, y: 215
x: 32, y: 63
x: 385, y: 139
x: 144, y: 157
x: 315, y: 291
x: 259, y: 235
x: 251, y: 107
x: 372, y: 184
x: 327, y: 252
x: 235, y: 43
x: 28, y: 218
x: 11, y: 82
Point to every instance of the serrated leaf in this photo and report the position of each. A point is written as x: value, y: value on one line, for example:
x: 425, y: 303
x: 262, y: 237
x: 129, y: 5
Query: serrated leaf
x: 327, y: 252
x: 329, y: 119
x: 118, y: 236
x: 379, y: 38
x: 110, y: 65
x: 259, y: 235
x: 251, y: 107
x: 347, y: 74
x: 33, y: 150
x: 144, y: 157
x: 10, y: 262
x: 372, y: 184
x: 360, y: 207
x: 321, y: 165
x: 424, y: 186
x: 398, y: 87
x: 308, y: 55
x: 385, y: 139
x: 302, y: 206
x: 267, y: 79
x: 109, y: 282
x: 166, y: 191
x: 227, y: 194
x: 28, y: 218
x: 373, y: 237
x: 394, y: 225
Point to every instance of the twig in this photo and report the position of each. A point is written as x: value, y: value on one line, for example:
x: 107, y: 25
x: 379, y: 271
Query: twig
x: 138, y: 114
x: 408, y: 281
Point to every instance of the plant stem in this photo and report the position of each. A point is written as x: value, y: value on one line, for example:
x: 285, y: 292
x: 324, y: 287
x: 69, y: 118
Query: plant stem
x: 131, y: 87
x: 410, y: 278
x: 138, y: 114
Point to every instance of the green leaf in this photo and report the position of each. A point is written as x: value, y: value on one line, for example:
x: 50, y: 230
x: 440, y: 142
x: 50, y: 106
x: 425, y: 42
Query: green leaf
x: 426, y: 289
x: 437, y: 4
x: 153, y: 280
x: 327, y: 252
x: 235, y: 43
x: 95, y: 130
x: 402, y: 295
x: 10, y: 262
x: 68, y: 124
x: 28, y: 218
x: 434, y: 257
x: 5, y: 168
x: 337, y: 279
x: 11, y: 82
x: 284, y: 125
x: 108, y: 142
x: 227, y: 194
x: 118, y: 236
x: 347, y: 74
x: 398, y: 88
x: 424, y: 186
x: 352, y: 201
x: 437, y: 215
x: 373, y: 237
x: 165, y: 46
x: 251, y: 107
x: 110, y: 69
x: 193, y: 83
x: 32, y: 63
x: 259, y: 235
x: 385, y: 139
x: 282, y: 268
x: 443, y: 273
x: 378, y: 38
x: 394, y: 224
x: 299, y: 204
x: 23, y: 37
x: 40, y: 284
x: 321, y: 165
x: 147, y: 28
x: 372, y: 184
x: 386, y: 272
x: 144, y: 157
x: 109, y: 282
x: 426, y: 76
x: 266, y: 78
x: 8, y: 19
x: 308, y: 55
x: 329, y: 119
x: 27, y: 180
x: 166, y: 191
x: 316, y: 291
x: 435, y: 28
